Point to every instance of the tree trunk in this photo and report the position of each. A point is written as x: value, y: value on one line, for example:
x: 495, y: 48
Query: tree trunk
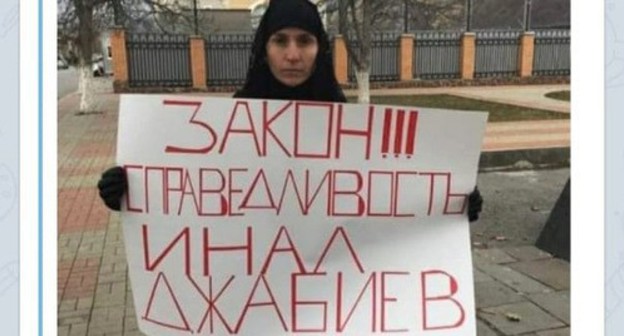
x: 80, y: 80
x: 86, y: 36
x: 86, y: 84
x: 363, y: 77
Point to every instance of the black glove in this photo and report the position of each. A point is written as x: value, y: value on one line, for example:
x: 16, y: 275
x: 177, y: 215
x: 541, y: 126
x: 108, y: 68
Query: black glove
x: 112, y: 186
x: 475, y: 204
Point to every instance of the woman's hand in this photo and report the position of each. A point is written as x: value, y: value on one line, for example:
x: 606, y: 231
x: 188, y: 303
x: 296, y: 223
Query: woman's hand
x: 475, y: 204
x: 112, y: 186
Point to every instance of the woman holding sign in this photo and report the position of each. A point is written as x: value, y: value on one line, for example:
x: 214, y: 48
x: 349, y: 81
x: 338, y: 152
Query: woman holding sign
x: 291, y: 59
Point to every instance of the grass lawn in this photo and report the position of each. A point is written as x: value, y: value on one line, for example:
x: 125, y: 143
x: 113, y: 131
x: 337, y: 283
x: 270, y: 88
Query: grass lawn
x: 559, y: 95
x: 498, y: 112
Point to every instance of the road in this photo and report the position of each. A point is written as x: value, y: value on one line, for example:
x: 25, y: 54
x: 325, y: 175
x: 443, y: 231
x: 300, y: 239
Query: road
x: 516, y: 205
x: 67, y: 81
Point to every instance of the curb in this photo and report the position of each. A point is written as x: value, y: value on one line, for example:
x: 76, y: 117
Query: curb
x: 524, y: 159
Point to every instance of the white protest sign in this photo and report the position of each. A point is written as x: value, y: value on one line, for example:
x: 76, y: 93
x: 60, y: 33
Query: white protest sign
x: 256, y: 217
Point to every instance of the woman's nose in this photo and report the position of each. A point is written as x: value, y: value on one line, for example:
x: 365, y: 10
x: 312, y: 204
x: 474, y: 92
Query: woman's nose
x: 292, y: 52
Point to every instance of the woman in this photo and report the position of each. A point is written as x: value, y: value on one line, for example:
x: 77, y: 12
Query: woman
x: 291, y: 60
x: 291, y: 57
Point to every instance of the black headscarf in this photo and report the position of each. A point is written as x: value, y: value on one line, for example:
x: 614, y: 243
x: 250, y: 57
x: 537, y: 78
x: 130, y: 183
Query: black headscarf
x: 260, y: 82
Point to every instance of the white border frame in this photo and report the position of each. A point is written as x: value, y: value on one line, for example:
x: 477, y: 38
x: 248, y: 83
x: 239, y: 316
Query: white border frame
x: 587, y: 269
x: 587, y: 161
x: 28, y: 191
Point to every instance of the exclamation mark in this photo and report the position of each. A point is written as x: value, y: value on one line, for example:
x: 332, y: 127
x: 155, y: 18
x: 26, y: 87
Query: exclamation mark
x: 411, y: 133
x: 398, y: 136
x: 385, y: 140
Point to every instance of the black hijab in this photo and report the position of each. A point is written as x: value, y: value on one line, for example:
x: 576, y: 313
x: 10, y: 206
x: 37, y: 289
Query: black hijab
x: 260, y: 82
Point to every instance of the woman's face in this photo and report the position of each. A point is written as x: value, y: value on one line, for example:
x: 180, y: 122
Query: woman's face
x: 291, y: 54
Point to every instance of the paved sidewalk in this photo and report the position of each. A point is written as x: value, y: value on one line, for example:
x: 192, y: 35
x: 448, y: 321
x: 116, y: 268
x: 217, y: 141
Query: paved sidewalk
x: 504, y: 136
x: 94, y: 294
x: 522, y: 282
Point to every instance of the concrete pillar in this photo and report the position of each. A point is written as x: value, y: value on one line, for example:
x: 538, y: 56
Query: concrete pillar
x: 467, y: 58
x: 340, y: 60
x: 198, y: 62
x: 119, y: 55
x: 406, y: 57
x: 526, y: 51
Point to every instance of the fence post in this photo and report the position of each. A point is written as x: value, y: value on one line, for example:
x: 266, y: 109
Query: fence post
x: 340, y: 60
x: 198, y: 62
x: 120, y: 58
x: 406, y: 57
x: 526, y: 54
x: 467, y: 58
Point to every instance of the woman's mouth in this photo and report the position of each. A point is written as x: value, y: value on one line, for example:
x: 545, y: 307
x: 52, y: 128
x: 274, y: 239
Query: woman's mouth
x: 292, y: 72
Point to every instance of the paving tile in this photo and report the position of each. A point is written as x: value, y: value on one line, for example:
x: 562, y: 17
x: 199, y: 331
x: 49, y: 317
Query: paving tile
x: 130, y: 323
x: 82, y: 278
x: 494, y: 255
x: 63, y: 330
x: 479, y: 276
x: 552, y: 272
x: 484, y: 330
x: 75, y: 317
x: 104, y: 332
x: 109, y: 325
x: 78, y: 329
x: 555, y: 332
x: 532, y: 318
x: 85, y: 303
x: 67, y: 305
x: 556, y: 303
x: 518, y: 281
x: 111, y: 277
x: 74, y: 313
x: 494, y: 293
x: 526, y: 253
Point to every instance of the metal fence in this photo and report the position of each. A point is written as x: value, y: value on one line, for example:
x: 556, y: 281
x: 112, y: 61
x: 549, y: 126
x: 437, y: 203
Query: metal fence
x: 384, y: 58
x: 158, y: 60
x: 436, y: 55
x: 227, y: 58
x: 496, y: 53
x: 552, y: 53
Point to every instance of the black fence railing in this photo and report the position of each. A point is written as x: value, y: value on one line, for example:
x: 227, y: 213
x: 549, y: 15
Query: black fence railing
x: 384, y: 58
x: 496, y: 53
x: 436, y: 55
x: 552, y: 53
x: 158, y: 60
x: 227, y: 58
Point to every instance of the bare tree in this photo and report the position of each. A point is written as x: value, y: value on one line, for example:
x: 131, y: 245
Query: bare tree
x: 363, y: 19
x: 436, y: 14
x: 82, y: 21
x: 77, y: 24
x: 359, y: 20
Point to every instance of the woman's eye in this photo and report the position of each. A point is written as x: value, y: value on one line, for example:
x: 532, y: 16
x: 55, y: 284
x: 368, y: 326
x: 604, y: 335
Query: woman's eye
x: 280, y: 40
x: 305, y: 40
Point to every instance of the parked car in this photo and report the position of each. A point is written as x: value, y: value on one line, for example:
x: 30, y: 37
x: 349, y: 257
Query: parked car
x: 61, y: 63
x: 97, y: 62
